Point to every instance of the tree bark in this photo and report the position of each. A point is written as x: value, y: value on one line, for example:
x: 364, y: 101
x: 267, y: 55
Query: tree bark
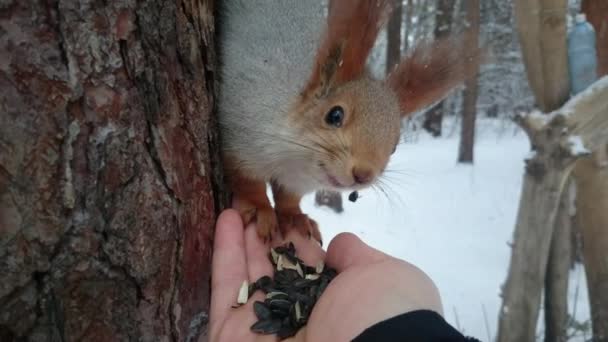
x: 469, y: 102
x: 433, y: 119
x: 546, y: 173
x: 109, y: 173
x: 597, y: 14
x: 541, y: 26
x: 591, y: 203
x: 558, y: 270
x: 393, y: 37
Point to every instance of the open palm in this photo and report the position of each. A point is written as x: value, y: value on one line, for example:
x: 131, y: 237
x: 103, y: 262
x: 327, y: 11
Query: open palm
x: 370, y: 287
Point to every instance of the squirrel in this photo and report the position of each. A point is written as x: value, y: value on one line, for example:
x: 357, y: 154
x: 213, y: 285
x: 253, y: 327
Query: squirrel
x: 299, y: 111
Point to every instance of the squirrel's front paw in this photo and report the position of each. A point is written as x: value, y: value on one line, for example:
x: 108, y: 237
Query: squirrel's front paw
x: 299, y: 221
x: 265, y: 218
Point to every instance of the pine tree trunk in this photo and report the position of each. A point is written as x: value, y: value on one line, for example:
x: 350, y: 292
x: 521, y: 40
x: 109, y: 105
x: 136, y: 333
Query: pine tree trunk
x: 558, y: 271
x: 597, y: 14
x: 393, y: 37
x: 109, y: 174
x: 469, y: 102
x: 433, y: 119
x: 591, y: 203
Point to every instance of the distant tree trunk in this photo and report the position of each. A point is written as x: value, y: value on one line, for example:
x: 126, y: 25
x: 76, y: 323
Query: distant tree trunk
x: 591, y: 203
x: 433, y: 118
x: 558, y: 271
x: 409, y: 13
x: 597, y: 14
x: 109, y: 174
x: 393, y: 37
x: 469, y: 102
x: 541, y: 27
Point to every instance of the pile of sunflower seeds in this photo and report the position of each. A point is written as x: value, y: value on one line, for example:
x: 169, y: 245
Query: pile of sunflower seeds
x: 290, y: 294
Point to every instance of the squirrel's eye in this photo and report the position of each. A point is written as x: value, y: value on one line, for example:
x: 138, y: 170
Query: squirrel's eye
x: 335, y: 116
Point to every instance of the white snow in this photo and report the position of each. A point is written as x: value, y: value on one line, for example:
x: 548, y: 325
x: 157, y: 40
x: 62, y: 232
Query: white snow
x: 577, y: 146
x: 453, y: 221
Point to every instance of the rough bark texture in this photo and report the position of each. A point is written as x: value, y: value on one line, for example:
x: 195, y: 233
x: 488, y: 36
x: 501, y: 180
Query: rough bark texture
x: 535, y: 222
x: 541, y: 25
x: 597, y: 14
x: 108, y: 169
x: 393, y: 37
x: 591, y: 204
x: 469, y: 101
x: 433, y: 118
x: 546, y: 174
x: 558, y: 270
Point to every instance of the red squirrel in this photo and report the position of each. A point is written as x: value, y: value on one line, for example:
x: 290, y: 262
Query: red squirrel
x: 299, y: 110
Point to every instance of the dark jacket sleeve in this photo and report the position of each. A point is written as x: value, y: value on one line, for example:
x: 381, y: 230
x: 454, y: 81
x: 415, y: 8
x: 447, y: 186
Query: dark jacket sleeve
x: 418, y: 326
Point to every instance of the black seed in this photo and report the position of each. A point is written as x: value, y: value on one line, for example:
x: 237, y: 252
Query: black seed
x: 264, y: 283
x: 278, y: 313
x: 279, y: 304
x: 353, y: 196
x: 268, y: 326
x: 302, y: 283
x: 262, y: 312
x: 286, y: 331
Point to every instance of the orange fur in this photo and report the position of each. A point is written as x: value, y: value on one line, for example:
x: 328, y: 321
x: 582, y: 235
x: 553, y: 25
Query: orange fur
x: 431, y: 71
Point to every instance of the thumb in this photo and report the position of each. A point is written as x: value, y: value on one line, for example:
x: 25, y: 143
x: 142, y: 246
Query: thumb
x: 346, y: 250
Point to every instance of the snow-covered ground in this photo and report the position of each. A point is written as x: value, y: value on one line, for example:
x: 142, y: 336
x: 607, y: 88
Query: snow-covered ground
x: 453, y: 221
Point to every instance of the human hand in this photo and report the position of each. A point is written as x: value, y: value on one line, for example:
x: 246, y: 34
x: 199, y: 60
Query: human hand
x: 370, y: 286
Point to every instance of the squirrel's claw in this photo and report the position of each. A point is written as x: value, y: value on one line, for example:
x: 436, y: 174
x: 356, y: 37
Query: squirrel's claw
x: 301, y: 223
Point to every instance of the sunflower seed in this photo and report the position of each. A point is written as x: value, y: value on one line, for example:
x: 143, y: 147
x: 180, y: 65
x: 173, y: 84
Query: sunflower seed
x: 312, y: 276
x: 267, y: 326
x: 274, y: 256
x: 277, y: 295
x: 243, y: 293
x: 320, y: 267
x: 262, y: 312
x: 298, y: 312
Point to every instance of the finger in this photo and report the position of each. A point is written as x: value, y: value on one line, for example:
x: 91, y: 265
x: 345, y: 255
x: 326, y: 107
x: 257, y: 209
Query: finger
x: 347, y: 250
x: 229, y: 265
x: 258, y: 264
x: 307, y: 249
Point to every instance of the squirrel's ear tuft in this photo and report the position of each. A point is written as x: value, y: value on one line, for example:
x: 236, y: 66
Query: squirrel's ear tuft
x: 352, y: 29
x: 431, y: 71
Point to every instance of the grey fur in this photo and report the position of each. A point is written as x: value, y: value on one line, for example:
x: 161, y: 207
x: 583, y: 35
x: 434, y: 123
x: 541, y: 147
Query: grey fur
x: 266, y: 51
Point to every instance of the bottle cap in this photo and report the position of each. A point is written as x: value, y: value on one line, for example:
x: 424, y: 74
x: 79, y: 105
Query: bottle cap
x: 580, y: 18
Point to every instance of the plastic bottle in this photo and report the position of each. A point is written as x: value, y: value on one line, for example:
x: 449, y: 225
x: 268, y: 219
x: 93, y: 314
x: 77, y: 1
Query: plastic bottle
x: 582, y: 55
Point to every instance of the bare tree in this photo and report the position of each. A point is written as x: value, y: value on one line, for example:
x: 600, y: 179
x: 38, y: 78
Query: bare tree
x: 591, y: 177
x: 409, y: 14
x: 592, y: 194
x: 541, y: 29
x: 109, y: 181
x: 469, y: 105
x: 554, y: 140
x: 444, y: 15
x: 558, y: 271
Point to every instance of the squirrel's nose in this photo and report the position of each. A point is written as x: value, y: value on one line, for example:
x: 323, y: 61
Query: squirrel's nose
x: 362, y: 175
